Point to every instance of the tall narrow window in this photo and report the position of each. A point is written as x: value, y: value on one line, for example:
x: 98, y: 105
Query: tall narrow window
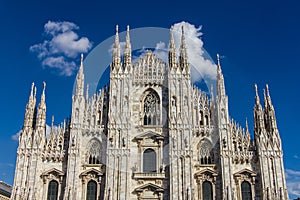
x: 52, y: 190
x: 94, y: 153
x: 207, y: 192
x: 206, y: 154
x: 91, y: 193
x: 201, y: 118
x: 149, y: 161
x: 246, y: 191
x: 151, y: 109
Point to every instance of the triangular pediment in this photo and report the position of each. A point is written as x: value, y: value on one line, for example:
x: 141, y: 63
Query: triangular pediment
x: 53, y: 171
x: 149, y: 134
x: 245, y: 171
x: 207, y: 171
x: 149, y: 186
x: 91, y: 171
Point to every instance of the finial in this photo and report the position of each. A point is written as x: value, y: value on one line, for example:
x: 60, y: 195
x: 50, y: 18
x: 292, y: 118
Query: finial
x: 32, y: 89
x: 52, y: 123
x: 182, y: 36
x: 171, y: 34
x: 256, y: 95
x: 256, y: 92
x: 117, y: 28
x: 34, y: 92
x: 218, y: 59
x: 87, y: 92
x: 127, y: 37
x: 265, y: 96
x: 81, y: 59
x: 267, y: 88
x: 247, y: 128
x: 44, y: 87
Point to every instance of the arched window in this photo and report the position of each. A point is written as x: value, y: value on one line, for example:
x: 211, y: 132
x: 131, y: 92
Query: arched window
x: 91, y: 193
x: 94, y: 153
x: 201, y: 118
x: 206, y: 120
x: 52, y: 190
x: 207, y: 192
x: 205, y: 153
x: 246, y: 191
x: 151, y: 109
x: 149, y: 161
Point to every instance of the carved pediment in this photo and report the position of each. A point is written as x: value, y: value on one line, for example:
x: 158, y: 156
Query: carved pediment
x: 245, y: 175
x: 149, y: 69
x: 245, y: 172
x: 52, y: 174
x: 206, y: 172
x: 53, y: 171
x: 91, y: 172
x: 149, y: 187
x: 149, y: 135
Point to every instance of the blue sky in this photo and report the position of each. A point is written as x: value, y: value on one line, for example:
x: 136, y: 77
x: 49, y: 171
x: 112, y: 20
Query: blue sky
x: 259, y: 42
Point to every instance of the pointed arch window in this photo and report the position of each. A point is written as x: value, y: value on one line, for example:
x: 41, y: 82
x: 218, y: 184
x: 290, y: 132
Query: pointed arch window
x: 149, y: 161
x: 246, y: 190
x: 205, y: 153
x: 207, y: 192
x: 91, y: 193
x: 151, y: 108
x: 94, y: 154
x: 52, y: 190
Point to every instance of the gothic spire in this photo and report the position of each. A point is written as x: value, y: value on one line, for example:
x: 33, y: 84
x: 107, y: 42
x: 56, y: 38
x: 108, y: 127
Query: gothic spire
x: 220, y: 79
x: 41, y: 117
x: 116, y: 60
x: 172, y: 50
x: 258, y: 115
x: 269, y: 101
x: 247, y: 128
x: 269, y: 110
x: 87, y: 93
x: 257, y: 101
x: 30, y: 107
x: 212, y: 98
x: 219, y: 63
x: 127, y: 52
x: 80, y: 79
x: 183, y: 60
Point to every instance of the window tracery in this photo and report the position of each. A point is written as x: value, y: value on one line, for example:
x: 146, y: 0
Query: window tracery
x: 94, y: 152
x: 205, y: 153
x: 151, y: 109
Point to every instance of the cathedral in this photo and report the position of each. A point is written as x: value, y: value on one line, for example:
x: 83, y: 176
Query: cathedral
x: 149, y: 135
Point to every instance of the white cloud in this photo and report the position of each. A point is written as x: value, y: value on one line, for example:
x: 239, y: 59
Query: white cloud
x: 293, y: 182
x: 61, y: 46
x: 65, y: 67
x: 16, y: 136
x: 122, y: 47
x: 201, y: 66
x: 48, y: 129
x: 53, y: 28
